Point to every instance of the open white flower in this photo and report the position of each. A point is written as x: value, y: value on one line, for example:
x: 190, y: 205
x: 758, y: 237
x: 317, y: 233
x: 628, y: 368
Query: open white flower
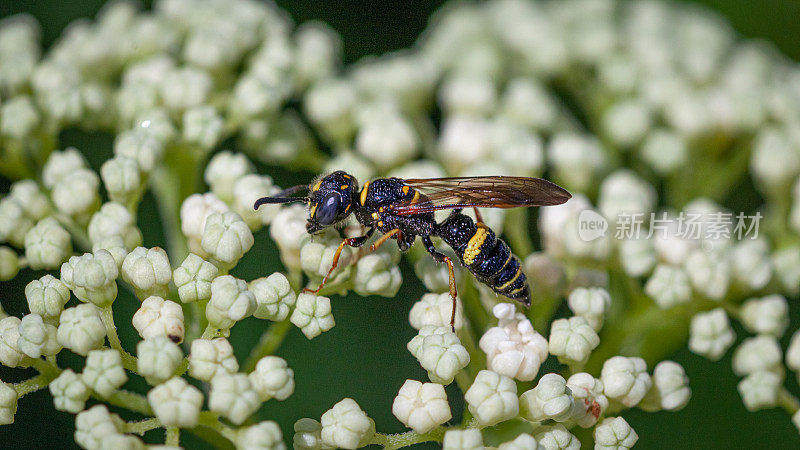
x: 158, y: 358
x: 346, y: 425
x: 69, y: 392
x: 81, y: 329
x: 103, y: 372
x: 233, y: 396
x: 513, y: 348
x: 550, y: 399
x: 148, y: 271
x: 614, y: 433
x: 312, y: 314
x: 625, y: 379
x: 193, y: 279
x: 711, y: 334
x: 421, y: 406
x: 159, y: 317
x: 209, y: 358
x: 439, y: 351
x: 492, y: 398
x: 572, y: 340
x: 272, y: 378
x: 47, y: 297
x: 176, y: 403
x: 274, y: 297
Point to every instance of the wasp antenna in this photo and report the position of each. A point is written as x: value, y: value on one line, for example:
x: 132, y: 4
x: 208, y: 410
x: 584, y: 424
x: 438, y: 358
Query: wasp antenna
x: 282, y: 196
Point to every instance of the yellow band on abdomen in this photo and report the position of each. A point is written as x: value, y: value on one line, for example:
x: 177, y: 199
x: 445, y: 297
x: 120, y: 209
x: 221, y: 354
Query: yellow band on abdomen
x: 474, y: 244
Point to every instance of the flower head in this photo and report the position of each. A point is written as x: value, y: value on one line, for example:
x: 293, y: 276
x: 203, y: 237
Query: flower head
x: 421, y: 406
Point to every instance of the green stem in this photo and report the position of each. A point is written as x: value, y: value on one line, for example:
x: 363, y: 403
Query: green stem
x: 211, y: 420
x: 269, y: 342
x: 128, y: 360
x: 142, y: 426
x: 33, y: 384
x: 173, y: 438
x: 395, y: 441
x: 129, y: 400
x: 788, y: 401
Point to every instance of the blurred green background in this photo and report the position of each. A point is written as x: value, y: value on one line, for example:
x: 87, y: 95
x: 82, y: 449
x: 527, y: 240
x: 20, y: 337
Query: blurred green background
x: 364, y: 356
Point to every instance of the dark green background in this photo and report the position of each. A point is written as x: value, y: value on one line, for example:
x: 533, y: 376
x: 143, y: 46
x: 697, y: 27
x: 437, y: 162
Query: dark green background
x: 364, y: 356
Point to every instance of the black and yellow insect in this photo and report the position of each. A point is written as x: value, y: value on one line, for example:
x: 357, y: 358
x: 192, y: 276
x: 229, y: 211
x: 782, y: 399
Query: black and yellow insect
x: 402, y: 209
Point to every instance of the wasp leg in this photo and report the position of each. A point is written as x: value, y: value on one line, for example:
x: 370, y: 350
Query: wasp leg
x: 439, y: 257
x: 352, y: 242
x: 478, y: 217
x: 385, y: 238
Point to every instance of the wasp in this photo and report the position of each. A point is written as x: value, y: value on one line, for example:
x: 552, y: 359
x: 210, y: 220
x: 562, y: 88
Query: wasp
x: 402, y: 209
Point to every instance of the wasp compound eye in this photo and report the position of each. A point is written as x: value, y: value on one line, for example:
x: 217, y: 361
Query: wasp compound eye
x: 328, y: 208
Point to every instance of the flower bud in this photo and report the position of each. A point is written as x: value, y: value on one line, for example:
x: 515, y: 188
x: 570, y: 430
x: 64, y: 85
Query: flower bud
x: 378, y: 274
x: 226, y: 238
x: 439, y: 351
x: 317, y: 253
x: 76, y: 194
x: 557, y: 437
x: 766, y: 315
x: 492, y: 398
x: 469, y: 439
x: 591, y: 304
x: 627, y: 122
x: 37, y: 338
x: 159, y: 317
x: 157, y: 359
x: 330, y: 105
x: 572, y: 340
x: 421, y: 406
x: 346, y: 425
x: 550, y: 399
x: 522, y: 92
x: 590, y: 402
x: 312, y: 314
x: 122, y: 179
x: 47, y: 296
x: 185, y: 87
x: 10, y: 353
x: 625, y: 380
x: 308, y: 435
x: 8, y: 403
x: 664, y: 151
x: 14, y: 223
x: 614, y: 433
x: 435, y: 309
x: 233, y: 396
x: 757, y: 353
x: 202, y: 125
x: 387, y: 140
x: 288, y: 229
x: 638, y: 256
x: 18, y: 117
x: 194, y: 214
x: 670, y: 389
x: 668, y: 286
x: 92, y: 277
x: 176, y: 403
x: 69, y: 392
x: 246, y: 190
x: 60, y: 164
x: 103, y: 371
x: 759, y: 390
x: 95, y: 424
x: 222, y: 172
x: 80, y: 328
x: 230, y: 302
x: 751, y: 263
x: 209, y: 358
x: 9, y: 263
x: 274, y: 297
x: 141, y: 145
x: 272, y: 378
x: 263, y: 435
x: 711, y: 334
x: 624, y: 192
x: 193, y: 279
x: 47, y: 245
x: 114, y: 220
x: 31, y: 199
x: 156, y: 122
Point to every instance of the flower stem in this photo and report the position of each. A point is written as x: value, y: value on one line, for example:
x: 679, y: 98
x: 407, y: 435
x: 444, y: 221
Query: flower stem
x: 395, y: 441
x: 211, y: 420
x: 142, y: 426
x: 173, y: 437
x: 130, y: 400
x: 128, y: 360
x: 788, y: 401
x: 32, y: 384
x: 269, y: 342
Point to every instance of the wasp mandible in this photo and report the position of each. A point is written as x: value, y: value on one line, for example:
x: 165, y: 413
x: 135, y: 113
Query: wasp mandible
x: 402, y: 209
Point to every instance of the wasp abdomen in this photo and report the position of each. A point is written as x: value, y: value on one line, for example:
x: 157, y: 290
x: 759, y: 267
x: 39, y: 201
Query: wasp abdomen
x: 486, y: 256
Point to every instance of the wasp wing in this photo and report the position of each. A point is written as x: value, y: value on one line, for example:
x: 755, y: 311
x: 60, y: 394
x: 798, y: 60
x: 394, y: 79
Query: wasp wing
x: 480, y: 192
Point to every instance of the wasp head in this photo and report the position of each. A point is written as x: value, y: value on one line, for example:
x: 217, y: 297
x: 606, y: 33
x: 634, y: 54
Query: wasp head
x: 330, y: 200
